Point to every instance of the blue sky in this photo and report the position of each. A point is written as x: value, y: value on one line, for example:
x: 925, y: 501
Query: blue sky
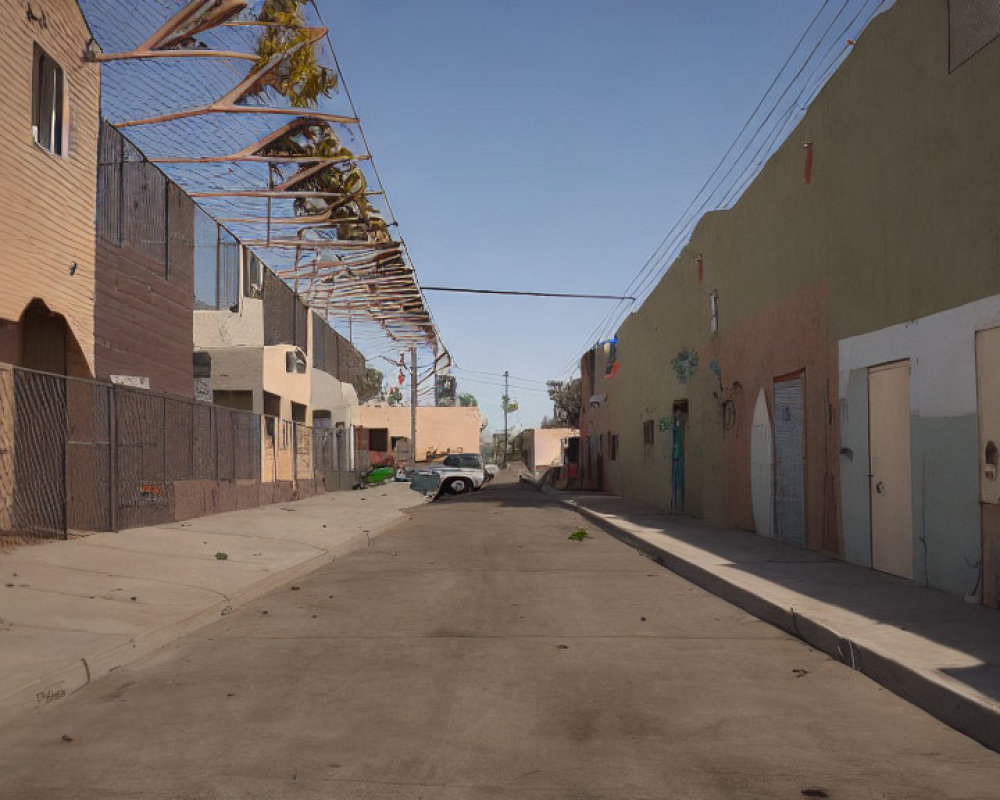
x: 547, y: 146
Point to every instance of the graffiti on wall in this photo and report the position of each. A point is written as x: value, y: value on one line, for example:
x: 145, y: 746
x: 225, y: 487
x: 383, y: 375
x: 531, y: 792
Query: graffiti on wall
x: 685, y: 364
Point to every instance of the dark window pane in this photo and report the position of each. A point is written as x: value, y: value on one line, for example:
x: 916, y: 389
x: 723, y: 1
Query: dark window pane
x: 206, y: 260
x: 229, y: 271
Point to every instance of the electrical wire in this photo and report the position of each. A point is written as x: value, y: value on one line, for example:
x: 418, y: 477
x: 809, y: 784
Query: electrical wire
x: 657, y: 264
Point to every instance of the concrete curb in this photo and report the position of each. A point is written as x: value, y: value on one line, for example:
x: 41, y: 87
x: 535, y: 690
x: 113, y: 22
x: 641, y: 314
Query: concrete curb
x: 926, y: 689
x: 48, y: 688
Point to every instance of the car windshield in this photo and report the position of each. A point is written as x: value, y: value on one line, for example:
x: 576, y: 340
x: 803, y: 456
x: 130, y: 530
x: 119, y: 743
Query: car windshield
x: 463, y: 460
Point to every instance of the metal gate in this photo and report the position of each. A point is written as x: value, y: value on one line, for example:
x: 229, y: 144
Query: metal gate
x: 789, y: 460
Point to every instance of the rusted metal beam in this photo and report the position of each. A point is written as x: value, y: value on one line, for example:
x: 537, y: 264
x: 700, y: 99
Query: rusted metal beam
x: 99, y: 57
x: 229, y: 103
x: 259, y: 159
x: 218, y: 108
x: 309, y: 244
x: 276, y: 193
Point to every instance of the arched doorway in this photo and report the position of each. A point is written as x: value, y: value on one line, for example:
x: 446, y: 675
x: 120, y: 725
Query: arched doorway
x: 47, y: 342
x: 36, y: 407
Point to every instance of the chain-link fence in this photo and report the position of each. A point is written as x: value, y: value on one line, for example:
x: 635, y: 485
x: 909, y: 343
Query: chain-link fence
x: 82, y: 455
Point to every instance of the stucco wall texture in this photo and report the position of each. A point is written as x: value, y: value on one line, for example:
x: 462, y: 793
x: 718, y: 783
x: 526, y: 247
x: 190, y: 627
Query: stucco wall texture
x: 48, y: 201
x: 543, y: 446
x: 897, y: 223
x: 442, y: 429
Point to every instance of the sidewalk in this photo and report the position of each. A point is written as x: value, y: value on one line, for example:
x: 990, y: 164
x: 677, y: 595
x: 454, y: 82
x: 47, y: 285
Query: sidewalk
x: 72, y: 611
x: 928, y: 647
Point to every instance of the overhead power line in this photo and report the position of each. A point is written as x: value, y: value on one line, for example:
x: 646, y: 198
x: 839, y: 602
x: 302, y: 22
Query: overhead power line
x: 526, y: 294
x: 499, y: 375
x: 767, y: 134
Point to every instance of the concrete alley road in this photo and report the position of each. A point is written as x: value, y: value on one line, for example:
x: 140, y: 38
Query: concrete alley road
x: 475, y: 652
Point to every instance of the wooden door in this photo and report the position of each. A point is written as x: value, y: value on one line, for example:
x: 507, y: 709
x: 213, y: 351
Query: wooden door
x: 891, y: 489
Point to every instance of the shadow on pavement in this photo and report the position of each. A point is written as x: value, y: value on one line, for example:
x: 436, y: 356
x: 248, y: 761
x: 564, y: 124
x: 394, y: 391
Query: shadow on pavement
x: 883, y: 599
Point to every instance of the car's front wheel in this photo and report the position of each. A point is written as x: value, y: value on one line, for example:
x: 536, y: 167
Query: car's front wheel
x: 460, y: 486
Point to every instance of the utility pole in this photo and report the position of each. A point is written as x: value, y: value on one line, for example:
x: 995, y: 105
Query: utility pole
x: 413, y: 405
x: 506, y: 402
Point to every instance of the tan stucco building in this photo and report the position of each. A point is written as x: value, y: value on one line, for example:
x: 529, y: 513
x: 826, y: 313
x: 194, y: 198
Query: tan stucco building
x: 543, y: 447
x: 440, y: 429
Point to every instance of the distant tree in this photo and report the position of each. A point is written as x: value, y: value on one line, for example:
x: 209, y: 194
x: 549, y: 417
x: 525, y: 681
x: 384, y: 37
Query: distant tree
x: 467, y: 400
x: 369, y: 385
x: 567, y: 400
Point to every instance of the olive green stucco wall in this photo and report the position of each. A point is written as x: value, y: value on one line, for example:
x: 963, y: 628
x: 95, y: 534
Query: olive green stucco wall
x: 901, y: 220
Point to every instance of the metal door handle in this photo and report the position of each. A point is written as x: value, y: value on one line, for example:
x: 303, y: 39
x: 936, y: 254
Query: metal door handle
x: 880, y: 487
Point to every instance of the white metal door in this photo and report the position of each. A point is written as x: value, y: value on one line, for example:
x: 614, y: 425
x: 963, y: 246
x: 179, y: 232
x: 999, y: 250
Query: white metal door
x: 891, y: 489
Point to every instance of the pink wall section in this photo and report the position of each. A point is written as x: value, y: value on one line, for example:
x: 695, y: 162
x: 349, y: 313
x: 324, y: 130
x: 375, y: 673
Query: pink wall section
x: 755, y: 352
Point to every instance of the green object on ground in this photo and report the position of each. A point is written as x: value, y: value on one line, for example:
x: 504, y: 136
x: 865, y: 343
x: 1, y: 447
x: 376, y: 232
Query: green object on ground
x: 380, y: 475
x: 579, y: 535
x: 222, y: 556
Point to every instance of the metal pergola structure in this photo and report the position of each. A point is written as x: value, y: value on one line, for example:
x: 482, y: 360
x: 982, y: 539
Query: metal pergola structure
x: 290, y: 176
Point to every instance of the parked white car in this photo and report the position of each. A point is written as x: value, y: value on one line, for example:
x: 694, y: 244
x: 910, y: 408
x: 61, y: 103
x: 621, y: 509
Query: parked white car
x: 462, y: 472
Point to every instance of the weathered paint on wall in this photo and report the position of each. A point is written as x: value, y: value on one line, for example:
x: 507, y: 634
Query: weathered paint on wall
x: 244, y: 328
x: 47, y: 206
x: 753, y: 353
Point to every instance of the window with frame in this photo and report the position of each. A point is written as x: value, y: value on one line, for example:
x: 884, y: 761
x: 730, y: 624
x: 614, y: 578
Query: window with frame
x: 253, y: 275
x: 295, y: 361
x: 47, y: 90
x: 648, y: 438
